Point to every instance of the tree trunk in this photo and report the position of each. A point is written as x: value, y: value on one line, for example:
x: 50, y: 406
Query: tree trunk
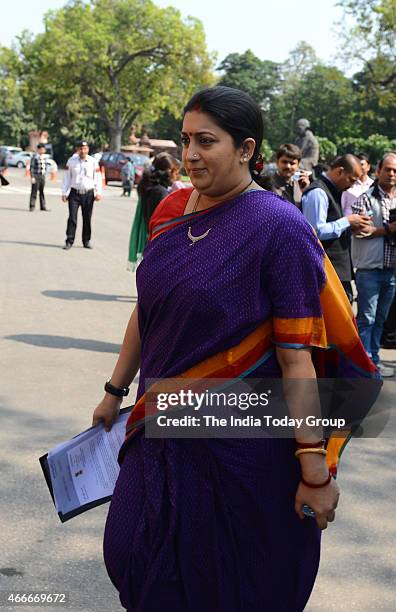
x: 116, y: 131
x: 115, y: 137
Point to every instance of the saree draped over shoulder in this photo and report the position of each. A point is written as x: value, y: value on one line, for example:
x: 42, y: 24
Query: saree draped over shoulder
x: 208, y: 525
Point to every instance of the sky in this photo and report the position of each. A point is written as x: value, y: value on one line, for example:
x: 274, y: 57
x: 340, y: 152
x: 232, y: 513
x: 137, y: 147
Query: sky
x: 270, y: 28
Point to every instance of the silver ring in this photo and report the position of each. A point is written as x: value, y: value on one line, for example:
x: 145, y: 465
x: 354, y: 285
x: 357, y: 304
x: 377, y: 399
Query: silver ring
x: 195, y: 156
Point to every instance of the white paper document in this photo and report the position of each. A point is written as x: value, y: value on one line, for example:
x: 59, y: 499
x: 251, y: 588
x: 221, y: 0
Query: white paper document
x: 81, y: 473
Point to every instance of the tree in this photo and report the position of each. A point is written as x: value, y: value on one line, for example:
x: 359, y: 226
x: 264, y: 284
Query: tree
x: 167, y: 126
x: 114, y: 61
x: 245, y: 71
x: 282, y: 114
x: 13, y: 119
x: 375, y: 102
x: 326, y: 98
x: 372, y: 34
x: 372, y: 41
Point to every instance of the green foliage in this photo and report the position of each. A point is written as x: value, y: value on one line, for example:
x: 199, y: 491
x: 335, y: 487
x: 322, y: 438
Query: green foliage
x: 351, y: 145
x: 247, y: 72
x: 372, y: 42
x: 375, y: 146
x: 375, y: 101
x: 339, y: 108
x: 167, y: 126
x: 320, y: 93
x: 266, y: 150
x: 327, y: 148
x: 104, y: 64
x: 326, y: 98
x: 374, y: 29
x: 13, y: 118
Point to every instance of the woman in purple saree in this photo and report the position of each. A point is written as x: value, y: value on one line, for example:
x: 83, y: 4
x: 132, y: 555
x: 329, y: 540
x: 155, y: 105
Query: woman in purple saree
x: 233, y: 284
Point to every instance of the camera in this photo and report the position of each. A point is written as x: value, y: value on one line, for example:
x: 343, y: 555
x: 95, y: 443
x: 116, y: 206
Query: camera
x: 391, y: 238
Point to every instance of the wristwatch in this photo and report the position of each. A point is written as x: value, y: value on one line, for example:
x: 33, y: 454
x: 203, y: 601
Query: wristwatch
x: 117, y: 391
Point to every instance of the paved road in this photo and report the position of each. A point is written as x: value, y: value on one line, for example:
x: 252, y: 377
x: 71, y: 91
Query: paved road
x: 63, y: 318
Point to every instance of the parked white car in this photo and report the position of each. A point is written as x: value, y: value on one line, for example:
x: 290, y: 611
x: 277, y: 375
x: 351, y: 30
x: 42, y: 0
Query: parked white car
x: 20, y: 160
x: 11, y: 151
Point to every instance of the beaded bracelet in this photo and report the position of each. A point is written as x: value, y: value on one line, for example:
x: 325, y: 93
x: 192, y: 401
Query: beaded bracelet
x: 319, y: 451
x: 311, y: 485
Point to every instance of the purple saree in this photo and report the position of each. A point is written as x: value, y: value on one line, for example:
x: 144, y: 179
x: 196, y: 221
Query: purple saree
x: 209, y: 525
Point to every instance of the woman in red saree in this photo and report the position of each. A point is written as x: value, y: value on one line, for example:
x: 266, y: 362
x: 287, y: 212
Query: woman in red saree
x: 233, y: 284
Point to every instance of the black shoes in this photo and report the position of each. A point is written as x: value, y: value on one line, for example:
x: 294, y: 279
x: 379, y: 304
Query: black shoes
x: 68, y: 246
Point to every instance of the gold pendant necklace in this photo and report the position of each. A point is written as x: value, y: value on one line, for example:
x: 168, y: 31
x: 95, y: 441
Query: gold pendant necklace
x: 195, y: 239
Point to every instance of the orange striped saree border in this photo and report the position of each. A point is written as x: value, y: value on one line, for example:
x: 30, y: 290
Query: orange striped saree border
x: 231, y: 363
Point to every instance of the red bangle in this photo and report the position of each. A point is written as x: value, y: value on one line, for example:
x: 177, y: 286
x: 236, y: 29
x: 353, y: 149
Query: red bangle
x: 311, y: 485
x: 319, y: 444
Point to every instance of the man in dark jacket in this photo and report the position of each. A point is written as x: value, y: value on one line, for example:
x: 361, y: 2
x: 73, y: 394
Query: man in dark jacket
x: 321, y: 205
x: 289, y: 181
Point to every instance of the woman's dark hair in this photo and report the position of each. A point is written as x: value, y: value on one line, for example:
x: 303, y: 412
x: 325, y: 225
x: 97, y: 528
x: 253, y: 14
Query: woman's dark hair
x: 234, y: 111
x: 158, y: 173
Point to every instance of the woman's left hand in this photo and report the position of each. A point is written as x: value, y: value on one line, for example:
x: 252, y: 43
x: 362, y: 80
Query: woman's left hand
x: 323, y: 502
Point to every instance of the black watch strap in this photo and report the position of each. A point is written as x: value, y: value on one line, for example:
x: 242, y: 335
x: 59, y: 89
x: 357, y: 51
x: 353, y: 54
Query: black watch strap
x: 117, y: 391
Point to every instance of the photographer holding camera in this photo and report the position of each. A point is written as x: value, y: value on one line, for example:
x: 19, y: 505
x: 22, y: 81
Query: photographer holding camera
x: 289, y: 180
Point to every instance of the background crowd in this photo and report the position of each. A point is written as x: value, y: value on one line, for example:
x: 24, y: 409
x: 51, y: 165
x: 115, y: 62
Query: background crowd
x: 354, y: 215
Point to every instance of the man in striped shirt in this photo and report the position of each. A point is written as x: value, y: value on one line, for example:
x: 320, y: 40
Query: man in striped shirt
x: 37, y: 173
x: 374, y: 257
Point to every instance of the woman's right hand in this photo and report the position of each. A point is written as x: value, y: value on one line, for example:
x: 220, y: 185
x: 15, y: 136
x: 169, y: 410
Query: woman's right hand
x: 107, y: 411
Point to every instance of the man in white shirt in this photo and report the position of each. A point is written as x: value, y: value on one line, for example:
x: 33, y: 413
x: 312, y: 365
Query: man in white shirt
x: 82, y: 185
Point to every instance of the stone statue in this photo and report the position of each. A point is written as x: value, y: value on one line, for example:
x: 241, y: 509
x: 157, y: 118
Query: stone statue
x: 308, y: 144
